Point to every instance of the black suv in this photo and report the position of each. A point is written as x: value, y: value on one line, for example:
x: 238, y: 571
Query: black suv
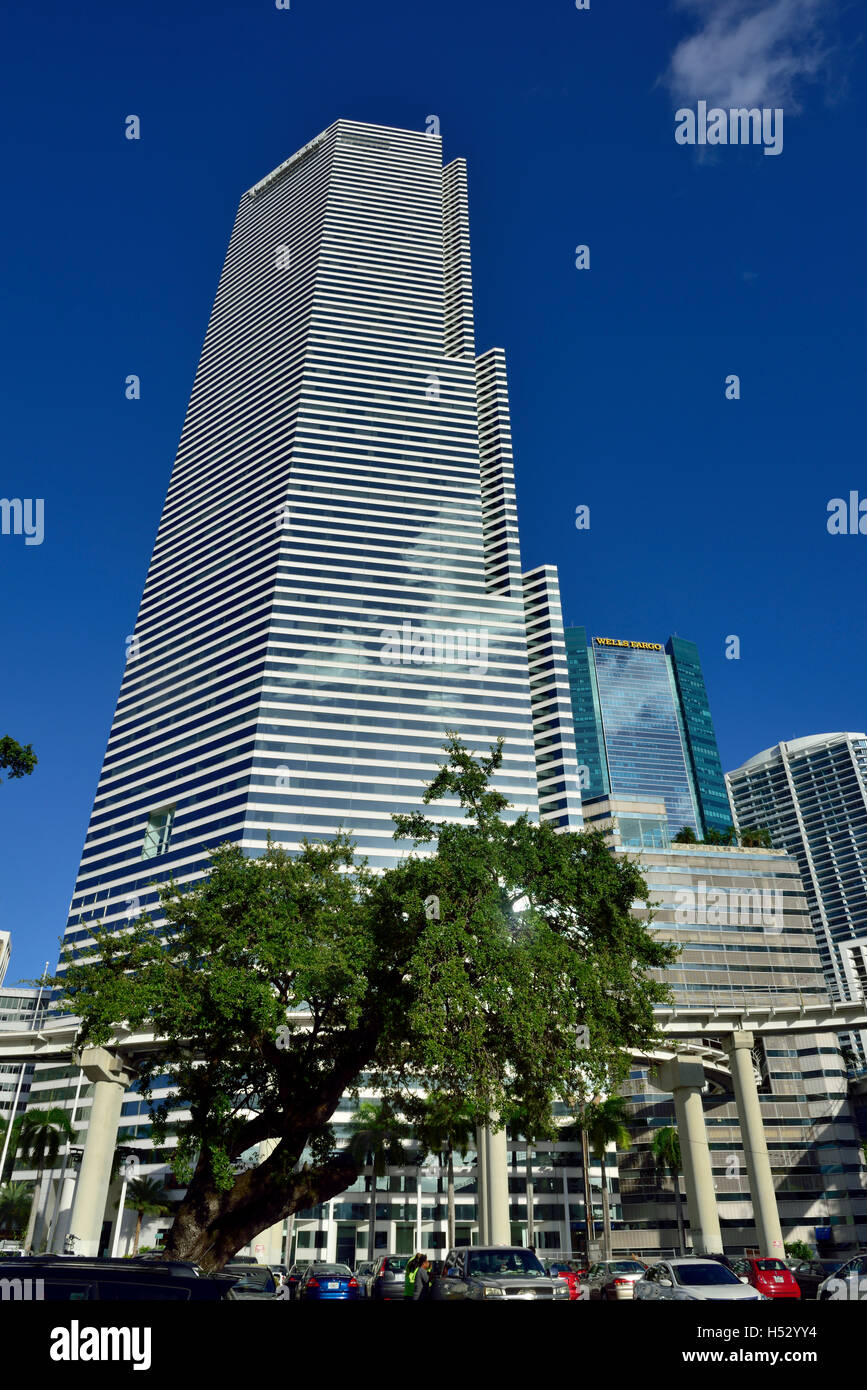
x: 45, y: 1277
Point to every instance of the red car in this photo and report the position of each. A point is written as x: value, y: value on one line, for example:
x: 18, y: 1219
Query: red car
x: 572, y: 1277
x: 769, y: 1275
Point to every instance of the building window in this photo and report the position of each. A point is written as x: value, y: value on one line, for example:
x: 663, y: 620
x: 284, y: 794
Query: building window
x: 158, y: 833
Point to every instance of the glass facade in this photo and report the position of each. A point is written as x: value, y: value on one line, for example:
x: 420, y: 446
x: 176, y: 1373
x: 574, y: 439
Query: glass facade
x: 707, y: 773
x: 592, y: 769
x: 643, y: 727
x: 642, y: 730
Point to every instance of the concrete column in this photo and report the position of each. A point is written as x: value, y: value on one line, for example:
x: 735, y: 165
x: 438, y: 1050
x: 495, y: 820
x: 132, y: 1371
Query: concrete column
x: 496, y: 1153
x: 64, y: 1209
x: 270, y: 1239
x: 482, y: 1182
x: 685, y: 1079
x: 110, y: 1082
x: 764, y: 1198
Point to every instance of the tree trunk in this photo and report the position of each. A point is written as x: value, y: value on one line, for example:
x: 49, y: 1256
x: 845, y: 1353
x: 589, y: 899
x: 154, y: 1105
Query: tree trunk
x: 371, y: 1225
x: 681, y: 1236
x: 34, y: 1211
x: 451, y: 1199
x: 590, y: 1238
x: 138, y: 1217
x: 606, y: 1212
x: 211, y: 1225
x: 531, y: 1196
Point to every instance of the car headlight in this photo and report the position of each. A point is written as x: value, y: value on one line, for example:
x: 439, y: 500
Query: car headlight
x: 561, y: 1292
x: 490, y: 1291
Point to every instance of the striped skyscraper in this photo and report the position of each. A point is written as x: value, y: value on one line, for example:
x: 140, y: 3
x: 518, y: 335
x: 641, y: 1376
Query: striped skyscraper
x: 336, y: 580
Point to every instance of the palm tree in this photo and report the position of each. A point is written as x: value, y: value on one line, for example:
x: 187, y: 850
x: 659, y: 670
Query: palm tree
x: 147, y: 1197
x: 41, y: 1134
x: 446, y: 1132
x: 376, y: 1143
x: 15, y: 1199
x: 665, y: 1147
x: 605, y: 1125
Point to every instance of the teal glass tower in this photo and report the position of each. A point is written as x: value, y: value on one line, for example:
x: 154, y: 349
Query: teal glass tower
x: 643, y: 727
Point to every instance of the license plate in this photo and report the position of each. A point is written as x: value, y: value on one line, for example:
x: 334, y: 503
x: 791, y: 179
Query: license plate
x: 528, y: 1293
x: 333, y: 1284
x: 778, y: 1278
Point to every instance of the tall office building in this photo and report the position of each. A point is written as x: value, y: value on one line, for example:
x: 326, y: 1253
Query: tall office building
x: 811, y: 794
x: 336, y: 581
x: 643, y: 727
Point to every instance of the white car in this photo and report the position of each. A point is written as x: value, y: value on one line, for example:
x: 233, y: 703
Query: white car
x: 691, y: 1278
x: 849, y: 1282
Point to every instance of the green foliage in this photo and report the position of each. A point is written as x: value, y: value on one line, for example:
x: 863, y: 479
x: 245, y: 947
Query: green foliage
x: 798, y: 1250
x: 721, y: 837
x: 606, y: 1124
x: 277, y: 983
x: 686, y: 836
x: 15, y: 1200
x: 756, y: 837
x: 665, y: 1147
x: 17, y: 759
x: 41, y: 1135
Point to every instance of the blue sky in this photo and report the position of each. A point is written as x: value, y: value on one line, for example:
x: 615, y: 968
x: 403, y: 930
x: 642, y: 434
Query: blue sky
x: 708, y: 516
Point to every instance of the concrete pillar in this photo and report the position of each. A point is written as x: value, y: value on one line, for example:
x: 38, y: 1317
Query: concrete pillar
x: 685, y: 1079
x: 764, y: 1198
x: 482, y: 1183
x: 499, y: 1227
x: 64, y: 1209
x: 109, y: 1084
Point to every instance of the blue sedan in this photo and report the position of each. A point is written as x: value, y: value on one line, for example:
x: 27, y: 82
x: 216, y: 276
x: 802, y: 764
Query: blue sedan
x: 324, y: 1281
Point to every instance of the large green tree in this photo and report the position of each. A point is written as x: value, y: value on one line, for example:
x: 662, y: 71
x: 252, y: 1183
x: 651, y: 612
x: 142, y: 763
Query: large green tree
x: 278, y: 983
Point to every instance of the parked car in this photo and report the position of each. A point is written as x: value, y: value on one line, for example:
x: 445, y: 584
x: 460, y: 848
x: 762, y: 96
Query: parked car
x: 848, y: 1282
x: 809, y: 1274
x: 480, y: 1272
x: 385, y: 1281
x: 613, y: 1279
x: 254, y: 1282
x: 293, y: 1278
x: 695, y: 1278
x: 722, y: 1260
x: 362, y: 1274
x: 769, y: 1275
x: 279, y: 1272
x: 93, y: 1280
x: 323, y: 1282
x: 558, y: 1270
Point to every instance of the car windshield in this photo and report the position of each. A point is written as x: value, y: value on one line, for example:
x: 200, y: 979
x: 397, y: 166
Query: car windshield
x: 770, y: 1264
x: 396, y: 1266
x: 623, y: 1267
x: 504, y: 1264
x: 704, y: 1274
x: 333, y: 1272
x: 256, y: 1279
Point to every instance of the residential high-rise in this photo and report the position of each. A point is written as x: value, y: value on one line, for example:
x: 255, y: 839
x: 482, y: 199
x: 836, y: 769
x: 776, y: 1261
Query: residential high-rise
x: 643, y: 727
x: 336, y: 581
x: 811, y: 795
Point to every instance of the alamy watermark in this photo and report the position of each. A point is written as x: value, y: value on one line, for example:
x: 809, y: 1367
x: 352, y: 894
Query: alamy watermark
x: 421, y: 646
x: 23, y: 516
x: 722, y: 907
x: 737, y: 126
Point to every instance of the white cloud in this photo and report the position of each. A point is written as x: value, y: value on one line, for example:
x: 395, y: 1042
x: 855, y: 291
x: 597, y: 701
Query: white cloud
x: 748, y: 52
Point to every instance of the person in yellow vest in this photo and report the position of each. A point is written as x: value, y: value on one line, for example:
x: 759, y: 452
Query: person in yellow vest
x: 409, y: 1275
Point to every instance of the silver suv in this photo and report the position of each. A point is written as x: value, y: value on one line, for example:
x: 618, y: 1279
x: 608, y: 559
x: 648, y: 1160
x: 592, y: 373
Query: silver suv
x: 483, y: 1272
